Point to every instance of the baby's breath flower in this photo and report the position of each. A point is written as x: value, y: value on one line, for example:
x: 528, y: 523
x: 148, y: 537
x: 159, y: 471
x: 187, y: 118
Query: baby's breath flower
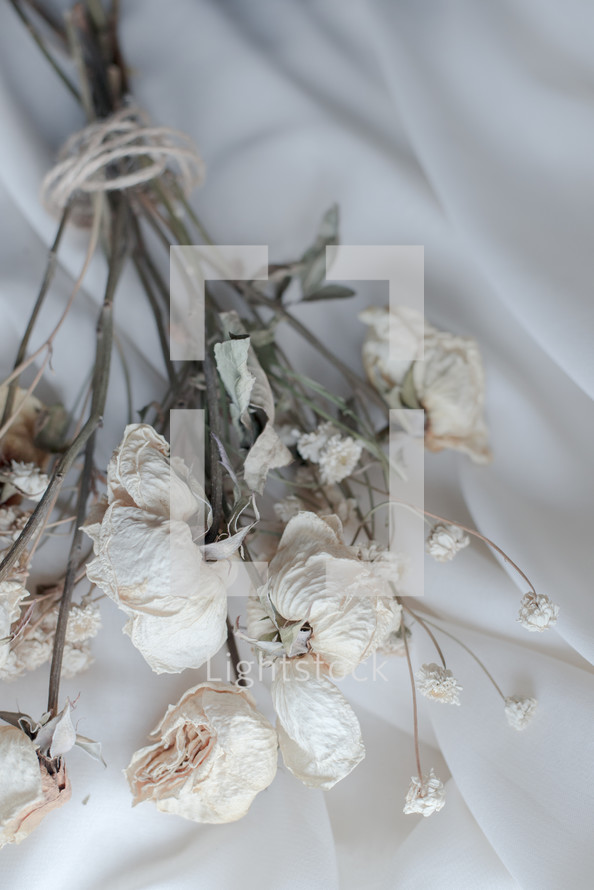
x: 537, y: 612
x: 311, y: 445
x: 445, y: 541
x: 338, y: 459
x: 27, y: 479
x: 519, y: 711
x: 84, y: 622
x: 439, y: 684
x: 425, y: 796
x: 76, y: 659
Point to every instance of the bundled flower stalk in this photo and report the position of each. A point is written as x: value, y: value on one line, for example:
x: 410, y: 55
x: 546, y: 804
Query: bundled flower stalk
x: 293, y: 474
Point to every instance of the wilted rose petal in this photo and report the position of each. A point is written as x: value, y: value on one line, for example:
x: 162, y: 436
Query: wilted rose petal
x: 319, y: 734
x: 153, y: 570
x: 30, y: 786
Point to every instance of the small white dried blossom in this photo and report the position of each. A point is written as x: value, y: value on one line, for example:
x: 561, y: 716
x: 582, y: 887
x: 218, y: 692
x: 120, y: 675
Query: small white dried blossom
x: 311, y: 445
x: 425, y: 796
x: 76, y: 659
x: 27, y: 479
x: 33, y: 647
x: 84, y: 622
x: 519, y: 711
x: 288, y: 507
x: 438, y: 684
x: 445, y: 541
x: 12, y: 522
x: 537, y: 612
x: 339, y: 458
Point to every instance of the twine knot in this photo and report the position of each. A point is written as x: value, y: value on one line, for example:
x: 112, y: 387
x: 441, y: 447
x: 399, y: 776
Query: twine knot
x: 120, y: 152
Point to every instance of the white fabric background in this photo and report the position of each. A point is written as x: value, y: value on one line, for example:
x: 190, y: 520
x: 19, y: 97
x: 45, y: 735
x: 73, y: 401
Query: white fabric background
x: 464, y: 127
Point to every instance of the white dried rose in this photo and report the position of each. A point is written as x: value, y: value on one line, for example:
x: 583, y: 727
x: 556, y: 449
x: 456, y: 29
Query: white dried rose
x: 445, y: 541
x: 425, y: 796
x: 322, y: 602
x: 30, y: 786
x: 448, y: 383
x: 214, y: 753
x: 316, y: 579
x: 537, y: 612
x: 438, y: 684
x: 338, y: 459
x: 519, y: 711
x: 25, y: 479
x: 147, y: 559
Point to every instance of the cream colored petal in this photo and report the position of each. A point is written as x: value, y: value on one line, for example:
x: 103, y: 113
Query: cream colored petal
x: 145, y: 562
x: 175, y: 600
x: 319, y: 734
x: 450, y: 386
x: 140, y: 473
x: 186, y: 639
x: 20, y: 782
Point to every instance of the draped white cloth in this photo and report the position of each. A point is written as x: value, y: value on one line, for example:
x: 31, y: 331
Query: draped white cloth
x: 466, y: 127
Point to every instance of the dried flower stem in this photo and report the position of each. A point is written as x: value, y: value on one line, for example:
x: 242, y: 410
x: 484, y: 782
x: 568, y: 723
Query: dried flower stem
x: 119, y: 251
x: 475, y: 534
x: 41, y: 44
x: 45, y: 284
x: 429, y: 633
x: 359, y: 385
x: 414, y: 701
x: 467, y: 649
x: 216, y: 470
x: 45, y: 505
x: 234, y: 653
x: 69, y: 581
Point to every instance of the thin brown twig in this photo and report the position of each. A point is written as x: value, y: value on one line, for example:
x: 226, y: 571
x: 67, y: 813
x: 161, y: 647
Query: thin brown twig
x: 414, y: 701
x: 429, y: 633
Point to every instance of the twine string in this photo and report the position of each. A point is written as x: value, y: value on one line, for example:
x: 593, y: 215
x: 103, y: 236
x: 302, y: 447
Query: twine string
x: 102, y: 157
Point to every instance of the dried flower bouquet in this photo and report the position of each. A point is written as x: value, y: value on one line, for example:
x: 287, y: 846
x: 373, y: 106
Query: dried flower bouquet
x: 296, y: 476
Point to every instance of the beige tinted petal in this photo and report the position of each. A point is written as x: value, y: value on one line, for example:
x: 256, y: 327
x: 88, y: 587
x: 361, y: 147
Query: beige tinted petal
x: 20, y: 782
x: 319, y: 734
